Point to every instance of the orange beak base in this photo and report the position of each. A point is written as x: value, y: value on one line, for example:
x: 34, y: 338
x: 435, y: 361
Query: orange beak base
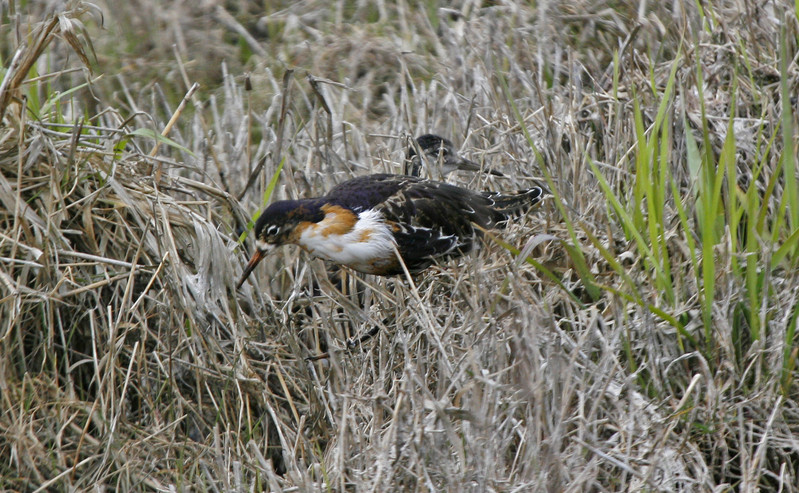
x: 256, y: 257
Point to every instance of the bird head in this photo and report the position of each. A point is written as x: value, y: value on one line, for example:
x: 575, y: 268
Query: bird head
x: 434, y: 152
x: 279, y: 225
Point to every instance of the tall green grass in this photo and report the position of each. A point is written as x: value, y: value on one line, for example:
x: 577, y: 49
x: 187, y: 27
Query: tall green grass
x: 736, y: 220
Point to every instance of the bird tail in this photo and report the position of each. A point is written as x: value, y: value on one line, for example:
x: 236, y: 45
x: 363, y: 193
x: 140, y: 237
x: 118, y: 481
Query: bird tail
x: 509, y: 204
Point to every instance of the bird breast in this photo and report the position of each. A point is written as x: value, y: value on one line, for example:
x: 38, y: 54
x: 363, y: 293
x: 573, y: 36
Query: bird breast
x: 362, y: 241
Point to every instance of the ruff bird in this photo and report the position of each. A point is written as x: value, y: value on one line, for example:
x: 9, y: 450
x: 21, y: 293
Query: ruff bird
x: 433, y: 153
x: 376, y: 223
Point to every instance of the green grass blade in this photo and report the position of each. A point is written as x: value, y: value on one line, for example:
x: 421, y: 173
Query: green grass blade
x: 265, y: 200
x: 790, y: 353
x: 589, y: 280
x: 516, y: 252
x: 789, y: 150
x: 629, y: 224
x: 152, y: 134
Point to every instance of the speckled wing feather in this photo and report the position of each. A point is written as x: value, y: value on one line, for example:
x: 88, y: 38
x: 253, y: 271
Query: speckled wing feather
x: 367, y: 192
x: 430, y: 219
x: 511, y: 204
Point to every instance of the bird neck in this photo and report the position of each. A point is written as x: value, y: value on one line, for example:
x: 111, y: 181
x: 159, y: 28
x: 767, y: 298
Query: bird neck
x: 413, y: 166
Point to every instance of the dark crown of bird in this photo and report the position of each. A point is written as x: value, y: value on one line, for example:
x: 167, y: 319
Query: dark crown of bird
x: 432, y: 153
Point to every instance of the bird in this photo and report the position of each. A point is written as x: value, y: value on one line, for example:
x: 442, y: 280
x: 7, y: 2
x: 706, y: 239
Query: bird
x: 376, y: 223
x: 438, y: 153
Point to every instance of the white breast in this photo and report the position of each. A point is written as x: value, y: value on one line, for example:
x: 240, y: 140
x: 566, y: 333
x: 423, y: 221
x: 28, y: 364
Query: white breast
x: 366, y: 246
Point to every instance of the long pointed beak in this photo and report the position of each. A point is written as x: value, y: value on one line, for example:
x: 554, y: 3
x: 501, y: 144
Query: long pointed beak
x: 466, y: 165
x: 256, y: 257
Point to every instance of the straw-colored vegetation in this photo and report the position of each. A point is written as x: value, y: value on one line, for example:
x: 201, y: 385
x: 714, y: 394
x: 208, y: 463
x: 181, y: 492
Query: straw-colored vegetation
x: 637, y: 333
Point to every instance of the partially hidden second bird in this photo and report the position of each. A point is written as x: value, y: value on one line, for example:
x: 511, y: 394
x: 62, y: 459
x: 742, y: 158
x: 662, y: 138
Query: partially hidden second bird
x: 434, y: 153
x: 363, y: 223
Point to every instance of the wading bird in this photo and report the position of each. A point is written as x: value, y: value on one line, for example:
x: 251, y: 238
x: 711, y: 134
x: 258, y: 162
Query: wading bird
x: 376, y: 223
x: 437, y: 153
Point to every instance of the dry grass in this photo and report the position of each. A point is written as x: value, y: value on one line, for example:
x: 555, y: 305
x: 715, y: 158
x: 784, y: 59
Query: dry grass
x: 638, y: 333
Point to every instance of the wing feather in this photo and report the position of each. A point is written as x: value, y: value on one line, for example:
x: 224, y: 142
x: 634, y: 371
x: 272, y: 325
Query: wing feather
x: 429, y: 219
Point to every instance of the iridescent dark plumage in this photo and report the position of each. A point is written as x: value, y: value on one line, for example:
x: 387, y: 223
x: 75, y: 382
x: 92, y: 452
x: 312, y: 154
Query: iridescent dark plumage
x: 362, y: 222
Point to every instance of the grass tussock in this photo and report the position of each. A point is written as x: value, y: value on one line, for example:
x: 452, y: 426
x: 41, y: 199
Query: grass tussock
x: 636, y: 333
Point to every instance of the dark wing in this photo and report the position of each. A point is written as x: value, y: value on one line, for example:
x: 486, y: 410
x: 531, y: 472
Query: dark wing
x: 367, y: 192
x: 432, y: 220
x: 509, y: 204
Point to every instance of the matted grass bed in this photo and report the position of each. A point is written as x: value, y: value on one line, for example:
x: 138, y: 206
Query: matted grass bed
x: 636, y: 333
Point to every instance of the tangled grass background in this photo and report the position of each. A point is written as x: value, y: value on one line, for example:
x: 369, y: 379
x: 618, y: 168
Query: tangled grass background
x: 636, y: 333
